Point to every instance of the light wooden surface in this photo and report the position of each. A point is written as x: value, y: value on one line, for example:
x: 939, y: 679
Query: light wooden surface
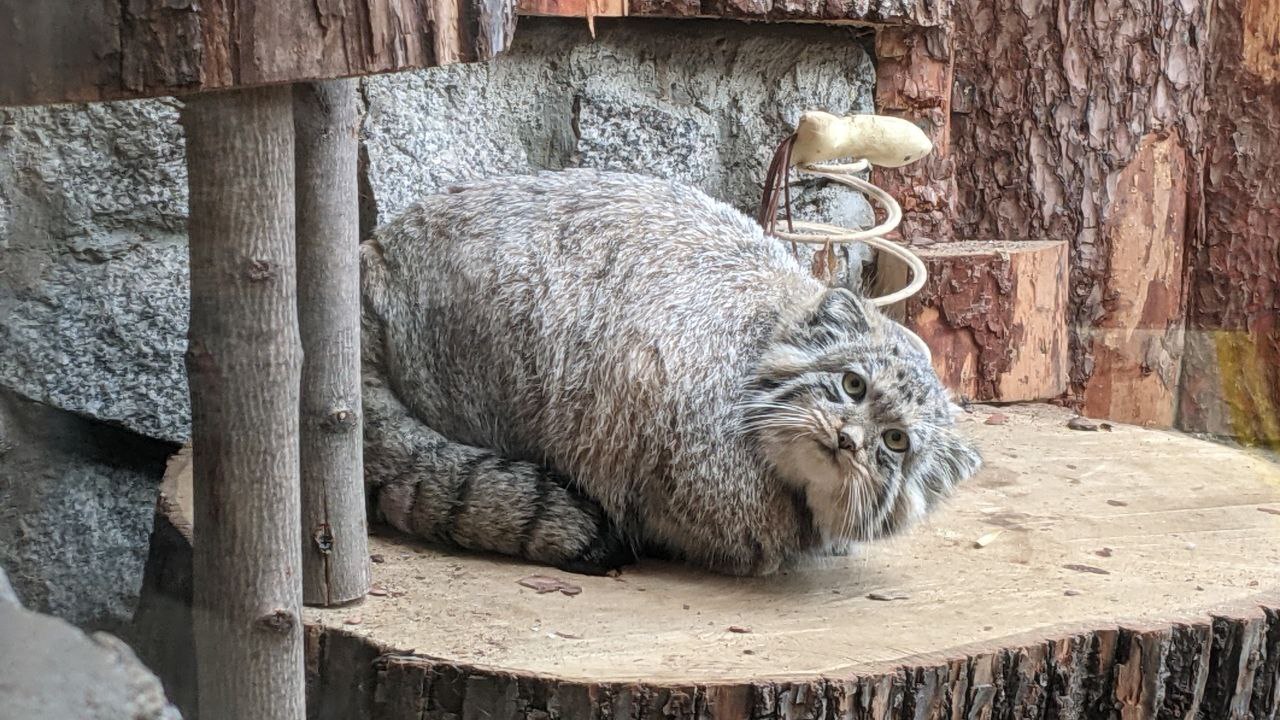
x: 1097, y: 529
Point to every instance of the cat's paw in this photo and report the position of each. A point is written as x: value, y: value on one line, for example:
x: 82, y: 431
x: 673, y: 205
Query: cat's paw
x: 606, y: 553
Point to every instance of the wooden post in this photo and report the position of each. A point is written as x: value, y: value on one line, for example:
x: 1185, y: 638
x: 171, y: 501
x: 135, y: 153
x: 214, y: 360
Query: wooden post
x: 244, y: 366
x: 335, y: 556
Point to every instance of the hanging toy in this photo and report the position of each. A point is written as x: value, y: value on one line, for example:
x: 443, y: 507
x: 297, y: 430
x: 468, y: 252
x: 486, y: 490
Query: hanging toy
x: 866, y: 140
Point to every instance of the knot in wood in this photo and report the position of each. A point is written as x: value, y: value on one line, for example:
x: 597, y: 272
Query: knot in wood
x: 261, y: 270
x: 323, y: 539
x: 281, y: 622
x: 340, y: 420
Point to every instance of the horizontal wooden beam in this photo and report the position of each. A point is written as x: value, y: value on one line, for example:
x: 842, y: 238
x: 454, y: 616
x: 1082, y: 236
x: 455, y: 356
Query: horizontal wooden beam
x: 918, y: 13
x: 572, y: 8
x: 76, y: 51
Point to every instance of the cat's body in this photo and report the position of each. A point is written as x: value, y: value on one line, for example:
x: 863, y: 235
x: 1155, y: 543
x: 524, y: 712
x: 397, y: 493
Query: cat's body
x: 573, y: 365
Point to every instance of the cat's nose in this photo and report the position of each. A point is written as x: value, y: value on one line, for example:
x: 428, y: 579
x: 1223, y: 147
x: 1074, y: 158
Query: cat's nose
x: 850, y: 438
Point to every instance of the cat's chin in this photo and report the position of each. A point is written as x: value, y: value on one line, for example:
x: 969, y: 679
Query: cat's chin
x: 823, y: 477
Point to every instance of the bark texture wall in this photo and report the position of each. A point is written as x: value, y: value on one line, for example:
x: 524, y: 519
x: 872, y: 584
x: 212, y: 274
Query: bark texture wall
x: 1053, y: 101
x: 913, y: 80
x: 1231, y: 377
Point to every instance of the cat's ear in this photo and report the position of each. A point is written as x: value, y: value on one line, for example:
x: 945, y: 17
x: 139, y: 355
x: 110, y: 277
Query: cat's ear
x: 837, y: 313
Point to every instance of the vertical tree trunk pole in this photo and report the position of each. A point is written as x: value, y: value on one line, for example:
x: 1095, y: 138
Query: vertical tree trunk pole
x: 335, y: 555
x: 244, y: 367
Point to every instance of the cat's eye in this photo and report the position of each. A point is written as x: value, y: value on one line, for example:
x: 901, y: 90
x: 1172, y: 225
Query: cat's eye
x: 854, y: 386
x: 896, y: 440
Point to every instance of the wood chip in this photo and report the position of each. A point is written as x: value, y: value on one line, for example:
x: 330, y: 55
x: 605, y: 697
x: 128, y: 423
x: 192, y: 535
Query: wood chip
x: 353, y: 620
x: 1080, y: 422
x: 566, y: 636
x: 1117, y: 503
x: 739, y: 629
x: 1103, y: 552
x: 987, y: 539
x: 543, y: 584
x: 1071, y: 593
x: 1269, y: 511
x: 996, y: 419
x: 378, y: 591
x: 887, y: 595
x: 1086, y: 569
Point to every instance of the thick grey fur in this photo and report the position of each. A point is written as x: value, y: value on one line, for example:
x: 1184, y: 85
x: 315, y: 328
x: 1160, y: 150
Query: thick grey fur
x: 574, y: 366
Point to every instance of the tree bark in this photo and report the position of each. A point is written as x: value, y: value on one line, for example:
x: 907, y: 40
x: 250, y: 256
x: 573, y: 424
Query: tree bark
x: 926, y: 13
x: 244, y: 363
x: 913, y: 81
x: 1210, y: 669
x: 1053, y: 104
x: 335, y: 556
x: 994, y: 316
x: 1231, y: 374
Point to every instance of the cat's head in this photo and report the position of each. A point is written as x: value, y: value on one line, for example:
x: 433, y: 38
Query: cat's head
x: 848, y: 409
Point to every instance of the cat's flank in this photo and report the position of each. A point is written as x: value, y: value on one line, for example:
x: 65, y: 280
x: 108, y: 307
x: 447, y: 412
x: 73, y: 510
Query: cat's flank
x: 575, y: 366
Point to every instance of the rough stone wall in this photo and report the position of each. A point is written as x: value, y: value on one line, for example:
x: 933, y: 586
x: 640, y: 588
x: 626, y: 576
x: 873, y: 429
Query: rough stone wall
x: 93, y: 282
x: 706, y: 102
x: 76, y: 501
x: 93, y: 288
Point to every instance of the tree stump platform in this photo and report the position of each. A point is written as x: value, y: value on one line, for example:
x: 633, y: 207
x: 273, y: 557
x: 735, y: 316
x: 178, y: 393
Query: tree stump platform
x: 1081, y: 573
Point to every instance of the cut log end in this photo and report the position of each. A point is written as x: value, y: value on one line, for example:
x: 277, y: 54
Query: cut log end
x: 1117, y: 593
x: 994, y: 315
x: 1087, y: 590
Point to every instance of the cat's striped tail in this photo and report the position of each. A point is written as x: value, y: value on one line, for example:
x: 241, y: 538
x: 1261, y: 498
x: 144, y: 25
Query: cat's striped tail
x: 421, y: 483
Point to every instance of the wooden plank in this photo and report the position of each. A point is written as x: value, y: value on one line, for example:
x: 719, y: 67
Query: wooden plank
x: 994, y: 315
x: 914, y: 13
x: 244, y: 365
x: 572, y: 8
x: 71, y: 51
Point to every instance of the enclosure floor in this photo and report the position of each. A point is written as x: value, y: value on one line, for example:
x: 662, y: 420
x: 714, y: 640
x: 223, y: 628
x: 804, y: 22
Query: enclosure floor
x: 1132, y: 526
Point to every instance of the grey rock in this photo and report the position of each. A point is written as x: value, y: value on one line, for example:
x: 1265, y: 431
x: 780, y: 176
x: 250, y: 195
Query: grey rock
x: 7, y: 595
x: 77, y: 499
x: 93, y: 283
x: 53, y: 670
x: 93, y: 278
x: 703, y: 102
